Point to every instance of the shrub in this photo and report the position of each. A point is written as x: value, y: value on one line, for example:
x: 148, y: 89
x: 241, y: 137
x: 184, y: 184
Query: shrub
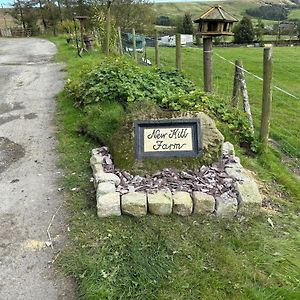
x: 119, y: 81
x: 123, y: 81
x: 197, y: 100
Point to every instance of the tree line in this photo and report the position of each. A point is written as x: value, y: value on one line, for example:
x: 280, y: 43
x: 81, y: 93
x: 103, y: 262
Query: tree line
x: 45, y: 15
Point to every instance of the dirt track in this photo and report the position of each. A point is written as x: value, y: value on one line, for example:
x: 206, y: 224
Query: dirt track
x: 29, y: 195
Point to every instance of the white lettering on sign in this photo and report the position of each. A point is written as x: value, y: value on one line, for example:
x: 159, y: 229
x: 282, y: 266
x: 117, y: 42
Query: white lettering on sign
x: 168, y: 139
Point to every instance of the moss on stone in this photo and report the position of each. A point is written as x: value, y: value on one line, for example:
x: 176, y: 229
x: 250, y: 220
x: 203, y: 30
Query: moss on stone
x: 122, y: 144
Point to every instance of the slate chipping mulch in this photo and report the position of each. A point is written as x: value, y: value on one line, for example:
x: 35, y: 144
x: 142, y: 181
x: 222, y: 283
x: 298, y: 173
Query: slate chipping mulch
x: 212, y: 180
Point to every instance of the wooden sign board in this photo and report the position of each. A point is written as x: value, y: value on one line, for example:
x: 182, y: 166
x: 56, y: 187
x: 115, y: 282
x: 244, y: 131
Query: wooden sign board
x: 167, y: 138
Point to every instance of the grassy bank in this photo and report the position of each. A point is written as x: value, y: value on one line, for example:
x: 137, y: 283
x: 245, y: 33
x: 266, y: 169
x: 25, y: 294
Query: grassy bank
x: 170, y: 257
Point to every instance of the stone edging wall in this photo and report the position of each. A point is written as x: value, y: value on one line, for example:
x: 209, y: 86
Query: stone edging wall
x: 163, y: 202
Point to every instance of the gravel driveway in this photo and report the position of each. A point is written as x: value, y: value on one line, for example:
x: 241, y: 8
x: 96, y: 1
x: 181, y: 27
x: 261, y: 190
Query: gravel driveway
x: 31, y: 205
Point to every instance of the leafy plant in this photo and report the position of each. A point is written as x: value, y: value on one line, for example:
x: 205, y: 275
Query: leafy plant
x: 197, y: 100
x: 123, y: 81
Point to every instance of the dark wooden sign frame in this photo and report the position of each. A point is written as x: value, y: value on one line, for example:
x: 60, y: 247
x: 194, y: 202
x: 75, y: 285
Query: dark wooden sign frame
x: 140, y: 126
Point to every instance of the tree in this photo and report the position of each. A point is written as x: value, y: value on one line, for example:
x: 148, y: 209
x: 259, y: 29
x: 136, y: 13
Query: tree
x: 259, y: 30
x: 244, y: 31
x: 163, y: 21
x: 128, y: 14
x: 187, y: 24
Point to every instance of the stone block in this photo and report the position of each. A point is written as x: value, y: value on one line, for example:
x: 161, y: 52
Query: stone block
x: 228, y: 149
x: 160, y: 203
x: 104, y: 177
x: 182, y: 203
x: 97, y: 168
x: 96, y: 159
x: 105, y: 188
x: 96, y: 151
x: 249, y: 198
x: 134, y: 204
x: 237, y: 172
x: 226, y: 206
x: 108, y: 205
x: 203, y: 203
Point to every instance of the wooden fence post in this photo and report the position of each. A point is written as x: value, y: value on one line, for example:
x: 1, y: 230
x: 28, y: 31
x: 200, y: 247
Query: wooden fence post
x: 178, y: 51
x: 157, y: 58
x: 207, y: 63
x: 246, y: 103
x: 236, y: 84
x: 134, y: 45
x: 120, y: 41
x: 267, y: 97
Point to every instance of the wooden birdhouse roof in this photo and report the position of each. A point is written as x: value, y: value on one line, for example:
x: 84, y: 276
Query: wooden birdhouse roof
x: 216, y: 13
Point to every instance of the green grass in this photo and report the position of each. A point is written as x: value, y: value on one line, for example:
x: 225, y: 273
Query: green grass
x: 172, y: 257
x: 285, y: 113
x: 294, y: 14
x: 285, y: 110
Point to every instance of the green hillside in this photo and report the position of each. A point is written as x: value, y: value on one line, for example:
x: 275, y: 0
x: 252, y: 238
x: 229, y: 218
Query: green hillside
x: 235, y: 7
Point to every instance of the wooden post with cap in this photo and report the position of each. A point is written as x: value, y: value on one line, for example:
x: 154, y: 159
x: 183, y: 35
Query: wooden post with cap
x: 207, y: 63
x: 267, y: 96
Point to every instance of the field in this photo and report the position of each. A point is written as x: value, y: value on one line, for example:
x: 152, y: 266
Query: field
x: 195, y: 257
x: 285, y: 115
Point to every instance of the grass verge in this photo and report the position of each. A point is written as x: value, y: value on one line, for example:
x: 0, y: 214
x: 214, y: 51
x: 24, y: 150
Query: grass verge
x: 170, y: 257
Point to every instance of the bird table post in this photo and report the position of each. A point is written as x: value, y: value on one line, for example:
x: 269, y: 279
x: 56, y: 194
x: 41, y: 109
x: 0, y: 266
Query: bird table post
x: 178, y: 51
x: 134, y: 45
x: 215, y: 22
x: 157, y: 58
x: 207, y: 63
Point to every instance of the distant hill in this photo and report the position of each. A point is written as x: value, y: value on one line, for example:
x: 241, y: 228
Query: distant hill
x: 235, y: 7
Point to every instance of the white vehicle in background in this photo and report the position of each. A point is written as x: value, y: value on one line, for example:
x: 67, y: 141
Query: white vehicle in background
x: 170, y: 40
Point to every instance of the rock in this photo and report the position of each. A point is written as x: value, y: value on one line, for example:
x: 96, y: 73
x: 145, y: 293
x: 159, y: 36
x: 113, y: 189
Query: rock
x: 249, y: 198
x: 212, y: 139
x: 228, y: 149
x: 226, y: 206
x: 160, y: 203
x: 203, y: 203
x: 104, y: 177
x: 134, y: 204
x: 96, y: 151
x: 182, y: 203
x: 123, y: 143
x: 108, y: 205
x: 96, y: 159
x: 105, y: 188
x: 97, y: 168
x: 236, y: 171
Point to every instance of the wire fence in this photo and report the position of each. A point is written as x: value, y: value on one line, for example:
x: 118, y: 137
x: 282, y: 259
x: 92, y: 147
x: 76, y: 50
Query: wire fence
x: 285, y: 121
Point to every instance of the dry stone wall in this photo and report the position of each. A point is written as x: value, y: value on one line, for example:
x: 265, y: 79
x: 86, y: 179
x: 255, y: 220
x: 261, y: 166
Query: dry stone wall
x: 241, y: 197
